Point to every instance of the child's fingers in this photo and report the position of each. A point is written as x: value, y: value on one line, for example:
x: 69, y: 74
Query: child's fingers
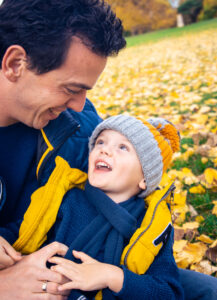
x: 82, y: 256
x: 69, y: 286
x: 67, y: 270
x: 57, y: 260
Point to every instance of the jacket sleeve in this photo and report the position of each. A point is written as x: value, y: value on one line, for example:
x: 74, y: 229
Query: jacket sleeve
x: 10, y: 231
x: 161, y: 281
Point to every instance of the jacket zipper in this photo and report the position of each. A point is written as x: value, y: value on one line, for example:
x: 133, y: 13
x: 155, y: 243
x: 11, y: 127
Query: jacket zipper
x: 171, y: 189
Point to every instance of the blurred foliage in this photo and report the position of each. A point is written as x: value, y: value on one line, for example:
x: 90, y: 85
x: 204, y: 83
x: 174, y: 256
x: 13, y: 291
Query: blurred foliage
x: 141, y: 16
x: 209, y: 10
x: 190, y: 9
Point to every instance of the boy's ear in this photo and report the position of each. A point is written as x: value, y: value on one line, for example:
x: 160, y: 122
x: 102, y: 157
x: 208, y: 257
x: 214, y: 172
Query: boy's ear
x: 14, y: 61
x: 142, y: 184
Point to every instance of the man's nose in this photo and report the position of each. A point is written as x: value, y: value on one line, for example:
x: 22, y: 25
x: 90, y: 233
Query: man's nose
x: 78, y: 101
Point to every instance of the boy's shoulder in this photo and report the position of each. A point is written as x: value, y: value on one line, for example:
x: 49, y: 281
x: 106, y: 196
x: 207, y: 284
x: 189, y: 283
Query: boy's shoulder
x: 153, y: 233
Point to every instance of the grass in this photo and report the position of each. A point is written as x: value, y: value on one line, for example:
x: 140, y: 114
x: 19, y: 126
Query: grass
x: 203, y: 205
x: 171, y: 33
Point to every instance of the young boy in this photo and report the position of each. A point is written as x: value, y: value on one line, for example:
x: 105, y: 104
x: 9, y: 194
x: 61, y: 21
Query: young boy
x: 125, y: 248
x: 126, y: 163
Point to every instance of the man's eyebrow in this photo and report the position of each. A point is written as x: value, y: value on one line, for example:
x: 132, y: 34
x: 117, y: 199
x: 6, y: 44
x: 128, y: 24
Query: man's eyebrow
x: 78, y: 85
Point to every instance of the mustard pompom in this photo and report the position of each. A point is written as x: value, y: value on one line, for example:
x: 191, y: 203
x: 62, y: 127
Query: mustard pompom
x: 172, y: 135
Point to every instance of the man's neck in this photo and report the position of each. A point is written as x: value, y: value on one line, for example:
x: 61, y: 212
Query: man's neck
x: 5, y: 120
x: 5, y: 103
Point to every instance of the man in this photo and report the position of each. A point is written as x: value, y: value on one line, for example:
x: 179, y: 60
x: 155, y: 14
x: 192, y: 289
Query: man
x: 51, y: 53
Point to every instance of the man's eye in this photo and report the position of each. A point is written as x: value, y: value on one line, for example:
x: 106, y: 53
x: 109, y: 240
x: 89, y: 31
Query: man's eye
x: 123, y: 147
x: 72, y: 92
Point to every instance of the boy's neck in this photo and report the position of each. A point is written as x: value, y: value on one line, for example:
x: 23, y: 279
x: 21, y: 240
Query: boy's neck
x: 118, y: 198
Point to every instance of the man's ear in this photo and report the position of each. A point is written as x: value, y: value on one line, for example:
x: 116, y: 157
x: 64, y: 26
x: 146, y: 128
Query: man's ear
x: 142, y: 184
x: 13, y: 63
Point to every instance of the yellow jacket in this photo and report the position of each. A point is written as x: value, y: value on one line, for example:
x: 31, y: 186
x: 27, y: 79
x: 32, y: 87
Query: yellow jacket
x: 145, y: 242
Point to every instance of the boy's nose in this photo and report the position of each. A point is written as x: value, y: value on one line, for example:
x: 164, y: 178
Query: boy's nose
x: 106, y: 150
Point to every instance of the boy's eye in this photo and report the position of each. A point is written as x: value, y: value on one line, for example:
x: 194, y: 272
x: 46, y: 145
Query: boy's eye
x: 99, y: 142
x: 123, y: 147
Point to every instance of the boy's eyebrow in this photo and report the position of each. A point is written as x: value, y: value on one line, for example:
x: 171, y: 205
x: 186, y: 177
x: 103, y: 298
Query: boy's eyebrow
x: 78, y: 85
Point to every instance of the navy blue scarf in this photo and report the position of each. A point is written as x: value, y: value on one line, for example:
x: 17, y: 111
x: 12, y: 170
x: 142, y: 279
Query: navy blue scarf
x: 108, y: 232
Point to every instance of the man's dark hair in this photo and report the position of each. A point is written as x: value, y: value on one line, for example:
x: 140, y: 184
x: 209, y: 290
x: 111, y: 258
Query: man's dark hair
x: 44, y: 28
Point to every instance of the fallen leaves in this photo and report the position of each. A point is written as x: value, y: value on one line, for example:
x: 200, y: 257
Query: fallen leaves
x: 176, y: 79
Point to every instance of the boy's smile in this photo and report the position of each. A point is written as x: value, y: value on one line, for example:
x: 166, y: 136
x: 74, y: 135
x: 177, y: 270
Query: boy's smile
x: 101, y: 165
x: 114, y: 166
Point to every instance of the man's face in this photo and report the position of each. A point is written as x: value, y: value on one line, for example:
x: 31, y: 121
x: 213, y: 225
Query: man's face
x: 114, y: 166
x: 41, y: 98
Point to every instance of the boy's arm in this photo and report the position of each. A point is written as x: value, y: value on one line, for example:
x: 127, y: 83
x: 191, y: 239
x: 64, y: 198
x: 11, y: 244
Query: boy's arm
x: 161, y: 281
x: 90, y: 275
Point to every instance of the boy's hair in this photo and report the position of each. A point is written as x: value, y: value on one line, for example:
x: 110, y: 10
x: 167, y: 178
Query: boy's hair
x: 154, y: 140
x: 45, y: 28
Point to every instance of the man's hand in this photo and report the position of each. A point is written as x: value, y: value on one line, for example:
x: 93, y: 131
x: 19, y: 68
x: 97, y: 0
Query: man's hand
x: 24, y: 280
x: 89, y: 275
x: 8, y: 255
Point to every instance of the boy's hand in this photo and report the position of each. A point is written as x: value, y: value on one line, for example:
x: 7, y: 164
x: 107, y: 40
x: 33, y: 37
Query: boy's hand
x: 8, y: 255
x: 89, y: 275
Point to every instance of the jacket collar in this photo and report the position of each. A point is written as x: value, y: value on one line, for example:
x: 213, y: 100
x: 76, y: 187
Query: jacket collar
x: 53, y: 136
x: 60, y: 129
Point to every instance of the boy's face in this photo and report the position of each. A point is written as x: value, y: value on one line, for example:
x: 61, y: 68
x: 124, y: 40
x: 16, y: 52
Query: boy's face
x: 114, y: 166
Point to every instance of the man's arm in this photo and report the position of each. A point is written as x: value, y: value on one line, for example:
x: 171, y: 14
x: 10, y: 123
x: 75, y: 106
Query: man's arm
x: 24, y: 280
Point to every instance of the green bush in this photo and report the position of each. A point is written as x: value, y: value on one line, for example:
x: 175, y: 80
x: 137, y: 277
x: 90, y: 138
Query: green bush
x: 191, y: 9
x: 209, y: 10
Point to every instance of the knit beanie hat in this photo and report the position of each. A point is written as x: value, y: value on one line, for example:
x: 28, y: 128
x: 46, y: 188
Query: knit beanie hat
x: 154, y: 140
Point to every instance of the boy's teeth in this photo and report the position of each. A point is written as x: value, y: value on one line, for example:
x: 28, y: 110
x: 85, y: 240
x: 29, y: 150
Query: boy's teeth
x: 102, y: 165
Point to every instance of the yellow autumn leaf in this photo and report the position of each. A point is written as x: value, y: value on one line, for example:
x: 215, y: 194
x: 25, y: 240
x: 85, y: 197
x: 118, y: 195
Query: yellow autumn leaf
x: 214, y: 210
x: 189, y: 254
x: 180, y: 198
x: 190, y: 225
x: 204, y: 238
x: 179, y: 245
x: 199, y: 219
x: 187, y: 154
x: 204, y: 160
x: 187, y: 171
x: 205, y: 267
x: 214, y: 244
x: 210, y: 175
x: 197, y: 190
x: 174, y: 94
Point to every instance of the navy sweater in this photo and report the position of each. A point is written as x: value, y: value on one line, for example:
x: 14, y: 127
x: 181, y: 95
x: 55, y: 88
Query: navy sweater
x: 18, y: 168
x: 161, y: 281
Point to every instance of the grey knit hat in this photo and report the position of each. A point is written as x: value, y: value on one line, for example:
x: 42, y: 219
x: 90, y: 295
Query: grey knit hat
x: 154, y: 141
